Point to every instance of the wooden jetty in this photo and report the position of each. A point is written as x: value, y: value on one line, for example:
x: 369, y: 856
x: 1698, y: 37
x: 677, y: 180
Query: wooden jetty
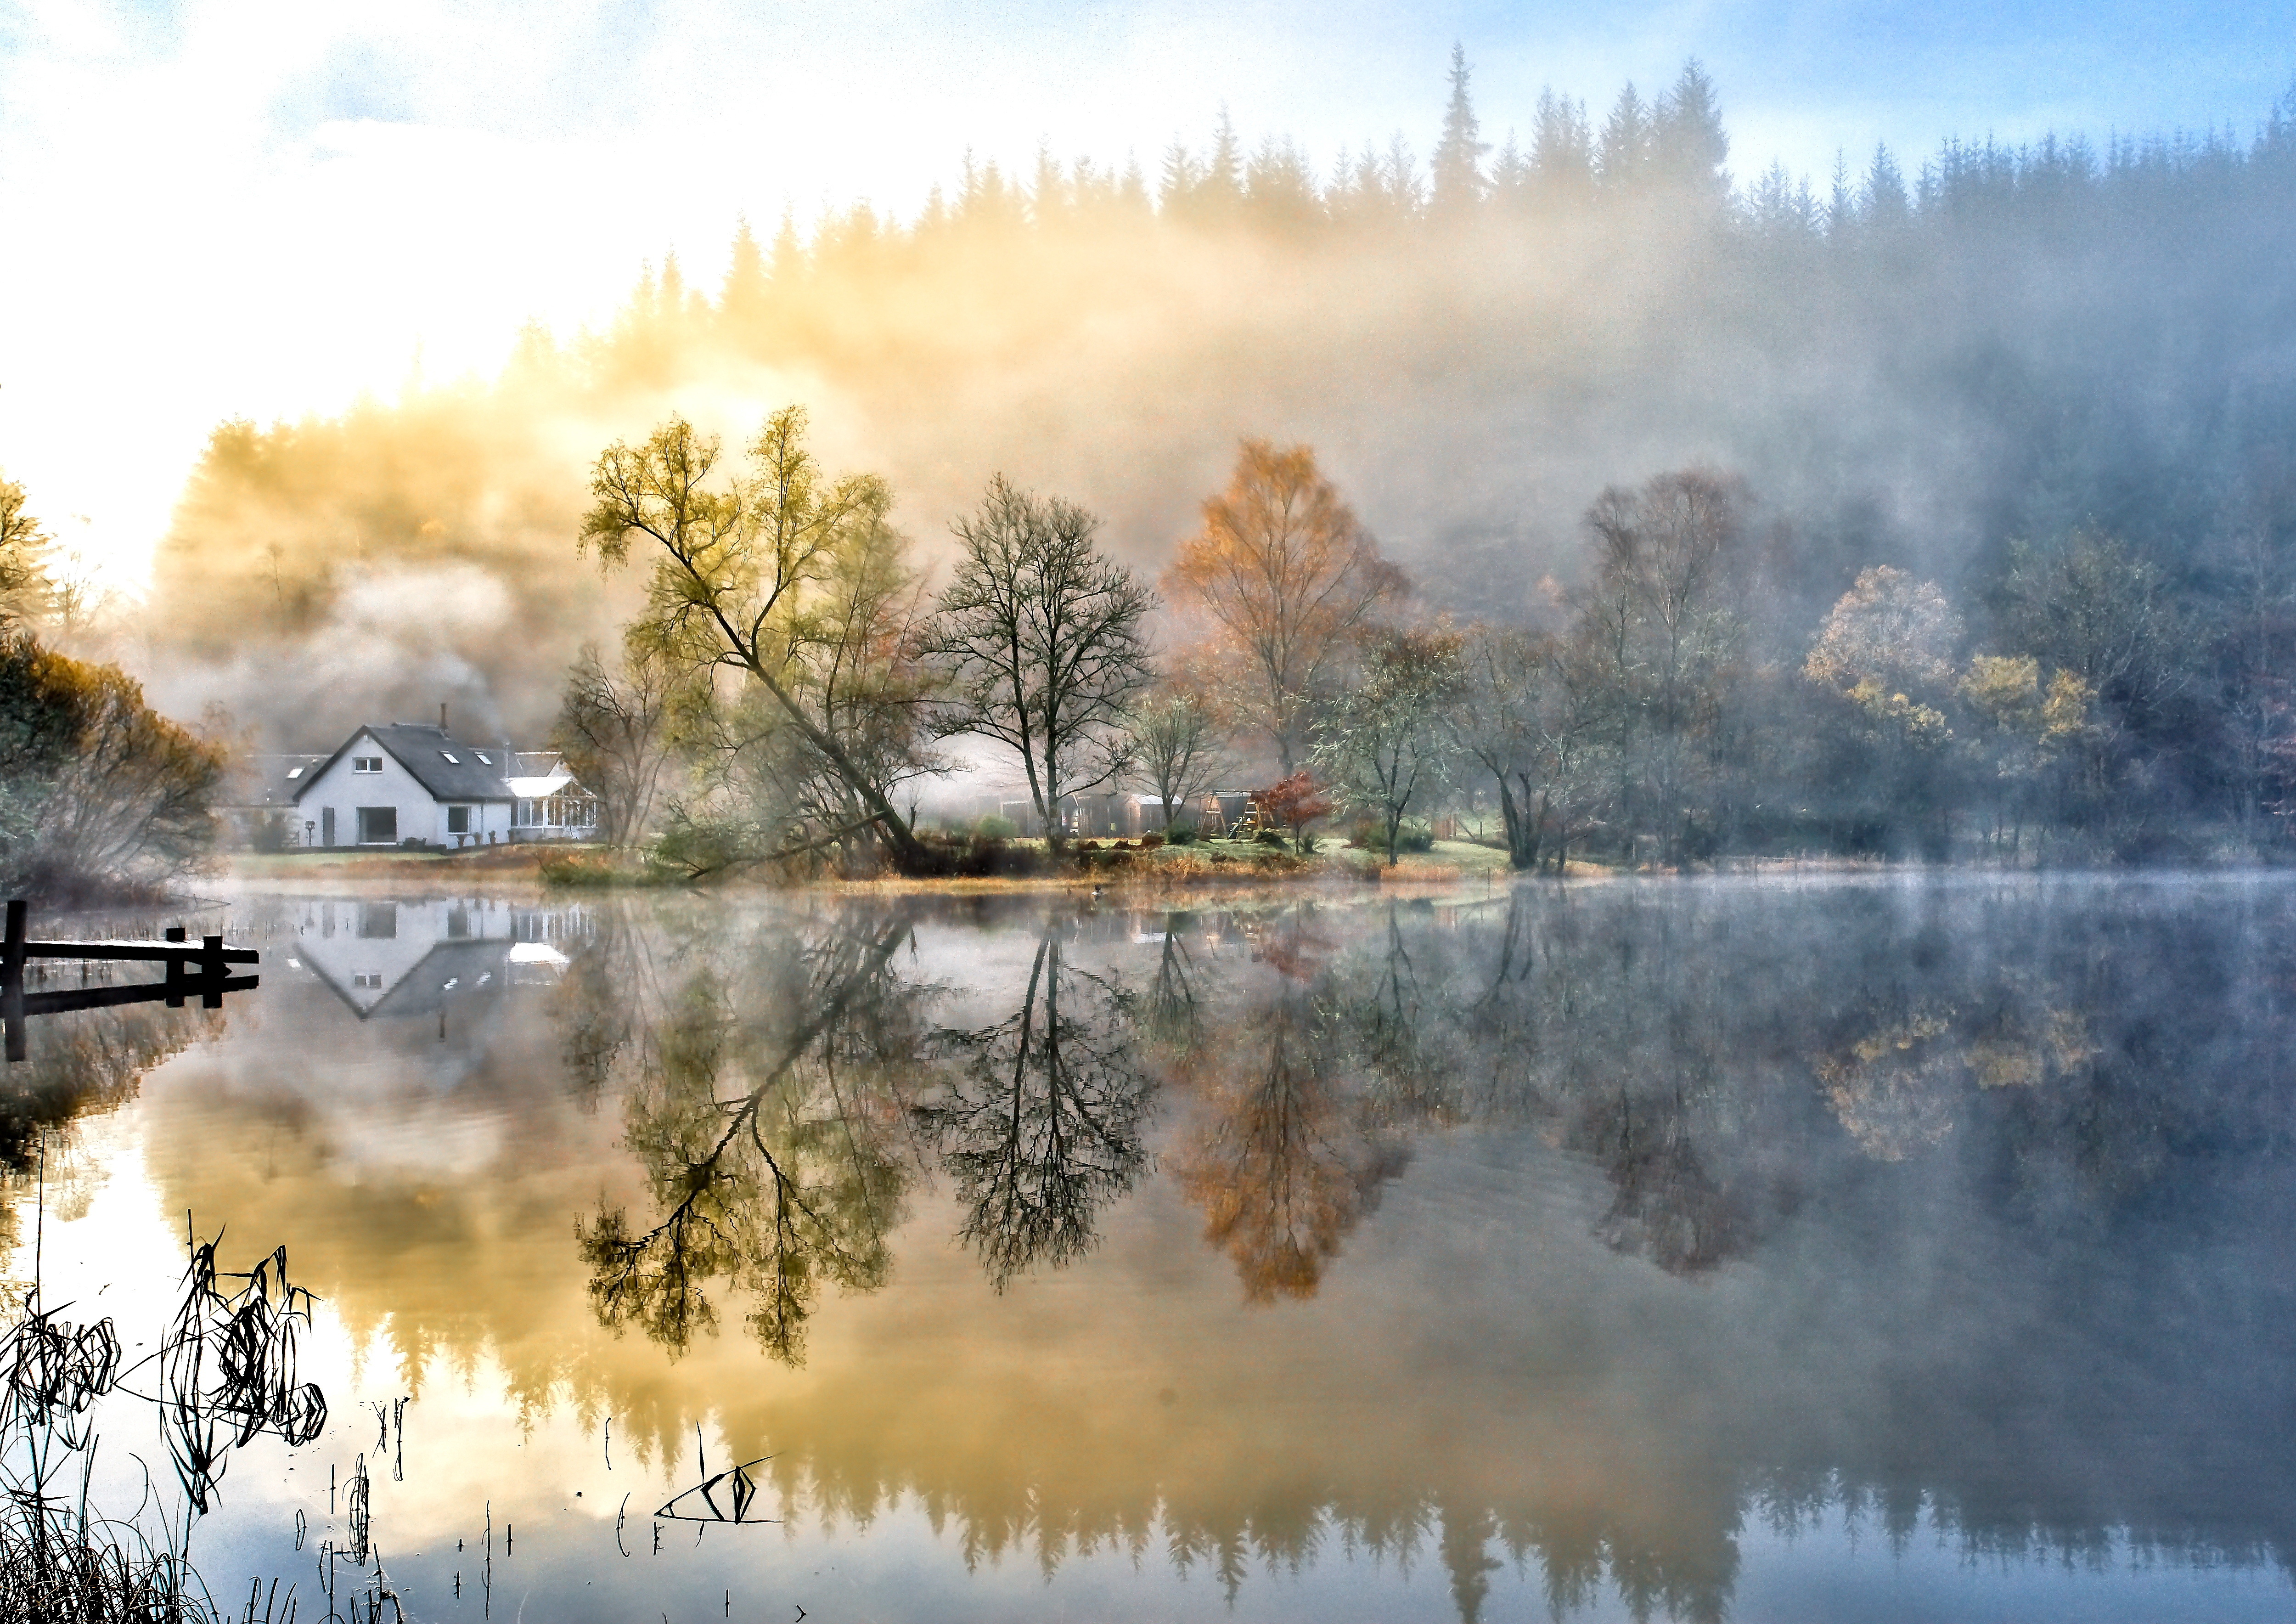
x: 188, y: 968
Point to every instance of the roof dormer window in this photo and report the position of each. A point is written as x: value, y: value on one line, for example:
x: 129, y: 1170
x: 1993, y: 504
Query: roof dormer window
x: 294, y: 772
x: 449, y: 755
x: 484, y: 759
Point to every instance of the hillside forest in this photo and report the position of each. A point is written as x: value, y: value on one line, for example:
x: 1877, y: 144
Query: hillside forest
x: 1945, y: 505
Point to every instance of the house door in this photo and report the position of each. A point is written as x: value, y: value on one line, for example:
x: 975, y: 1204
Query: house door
x: 327, y: 827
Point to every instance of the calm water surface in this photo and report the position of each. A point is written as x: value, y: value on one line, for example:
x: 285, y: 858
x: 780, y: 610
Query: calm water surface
x: 1858, y: 1249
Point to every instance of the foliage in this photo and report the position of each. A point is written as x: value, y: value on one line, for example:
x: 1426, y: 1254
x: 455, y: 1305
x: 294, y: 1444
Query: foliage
x: 1529, y: 715
x: 1042, y: 640
x: 1411, y: 834
x: 618, y: 731
x: 97, y: 790
x: 1285, y: 576
x: 1388, y: 741
x: 791, y: 581
x: 1890, y: 633
x: 1663, y: 625
x: 1293, y: 802
x: 24, y: 548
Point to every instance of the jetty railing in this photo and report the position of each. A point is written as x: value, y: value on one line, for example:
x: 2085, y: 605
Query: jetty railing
x: 187, y: 968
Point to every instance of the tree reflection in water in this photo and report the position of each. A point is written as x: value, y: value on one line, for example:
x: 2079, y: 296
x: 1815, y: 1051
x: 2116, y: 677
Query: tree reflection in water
x: 1730, y: 1206
x: 1285, y: 1159
x: 1040, y: 1124
x: 760, y: 1119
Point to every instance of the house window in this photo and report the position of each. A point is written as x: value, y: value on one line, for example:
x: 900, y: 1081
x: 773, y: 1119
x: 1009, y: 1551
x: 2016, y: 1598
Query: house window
x: 366, y: 764
x: 375, y: 981
x: 449, y: 755
x: 458, y: 820
x: 379, y: 921
x: 294, y: 772
x: 378, y: 825
x: 484, y: 759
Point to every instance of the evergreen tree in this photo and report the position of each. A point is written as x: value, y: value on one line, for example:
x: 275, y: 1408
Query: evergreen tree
x: 1884, y: 197
x: 1458, y: 164
x: 1176, y: 189
x: 1510, y: 175
x: 1624, y: 157
x: 1562, y: 147
x: 1050, y: 198
x: 1688, y: 145
x: 789, y: 260
x: 1223, y: 184
x: 742, y: 301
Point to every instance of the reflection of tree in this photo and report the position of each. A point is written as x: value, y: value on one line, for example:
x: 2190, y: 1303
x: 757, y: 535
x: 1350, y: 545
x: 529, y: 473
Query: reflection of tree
x: 1043, y: 1128
x: 87, y: 1061
x: 779, y: 1184
x: 1172, y: 1014
x: 1284, y: 1168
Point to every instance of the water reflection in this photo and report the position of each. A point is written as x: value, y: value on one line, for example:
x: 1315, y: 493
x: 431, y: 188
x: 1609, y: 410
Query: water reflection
x: 1584, y: 1230
x: 397, y: 956
x: 759, y: 1116
x: 1037, y: 1118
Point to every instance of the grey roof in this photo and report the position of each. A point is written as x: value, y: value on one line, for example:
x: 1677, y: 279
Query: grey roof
x: 422, y: 751
x: 264, y: 780
x: 423, y: 990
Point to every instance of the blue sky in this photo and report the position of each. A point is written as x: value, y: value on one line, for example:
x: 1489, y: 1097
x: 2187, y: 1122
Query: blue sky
x: 241, y: 207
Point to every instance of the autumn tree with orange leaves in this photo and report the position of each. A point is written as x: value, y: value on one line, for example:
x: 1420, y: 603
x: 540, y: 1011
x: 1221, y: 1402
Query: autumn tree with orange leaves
x: 1283, y: 575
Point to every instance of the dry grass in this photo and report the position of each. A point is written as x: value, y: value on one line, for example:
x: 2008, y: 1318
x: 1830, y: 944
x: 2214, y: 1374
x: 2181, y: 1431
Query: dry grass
x: 59, y: 1569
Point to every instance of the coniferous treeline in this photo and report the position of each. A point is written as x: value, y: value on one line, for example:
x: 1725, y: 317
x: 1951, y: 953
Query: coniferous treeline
x: 1922, y: 367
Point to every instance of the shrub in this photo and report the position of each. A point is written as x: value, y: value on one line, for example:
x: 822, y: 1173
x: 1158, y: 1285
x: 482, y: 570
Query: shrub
x: 1181, y: 834
x: 98, y: 792
x: 992, y: 827
x: 1149, y: 842
x: 1369, y: 835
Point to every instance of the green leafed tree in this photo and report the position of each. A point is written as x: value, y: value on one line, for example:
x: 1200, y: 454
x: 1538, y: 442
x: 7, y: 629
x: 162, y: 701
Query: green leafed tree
x: 751, y: 575
x: 1388, y: 742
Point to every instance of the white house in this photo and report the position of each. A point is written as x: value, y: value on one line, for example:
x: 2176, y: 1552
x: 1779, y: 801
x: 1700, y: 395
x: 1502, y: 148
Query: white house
x: 399, y: 784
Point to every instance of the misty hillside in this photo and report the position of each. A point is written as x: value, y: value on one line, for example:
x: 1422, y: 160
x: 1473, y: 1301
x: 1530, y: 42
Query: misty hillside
x: 1911, y: 365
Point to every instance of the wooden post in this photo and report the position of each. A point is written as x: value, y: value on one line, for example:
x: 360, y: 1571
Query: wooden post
x: 210, y: 972
x: 11, y: 978
x: 174, y: 981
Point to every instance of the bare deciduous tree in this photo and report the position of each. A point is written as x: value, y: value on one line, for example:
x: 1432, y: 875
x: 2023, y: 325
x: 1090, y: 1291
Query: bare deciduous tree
x: 1662, y: 619
x: 1042, y: 639
x: 618, y: 731
x: 1528, y: 716
x: 1175, y: 748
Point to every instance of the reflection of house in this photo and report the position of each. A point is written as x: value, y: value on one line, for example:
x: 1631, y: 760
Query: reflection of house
x: 406, y: 956
x: 396, y: 784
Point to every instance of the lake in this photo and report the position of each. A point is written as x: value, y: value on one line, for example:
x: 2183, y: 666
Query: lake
x: 1882, y: 1247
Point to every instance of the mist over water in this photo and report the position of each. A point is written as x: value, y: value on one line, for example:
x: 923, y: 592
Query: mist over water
x: 1680, y: 1248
